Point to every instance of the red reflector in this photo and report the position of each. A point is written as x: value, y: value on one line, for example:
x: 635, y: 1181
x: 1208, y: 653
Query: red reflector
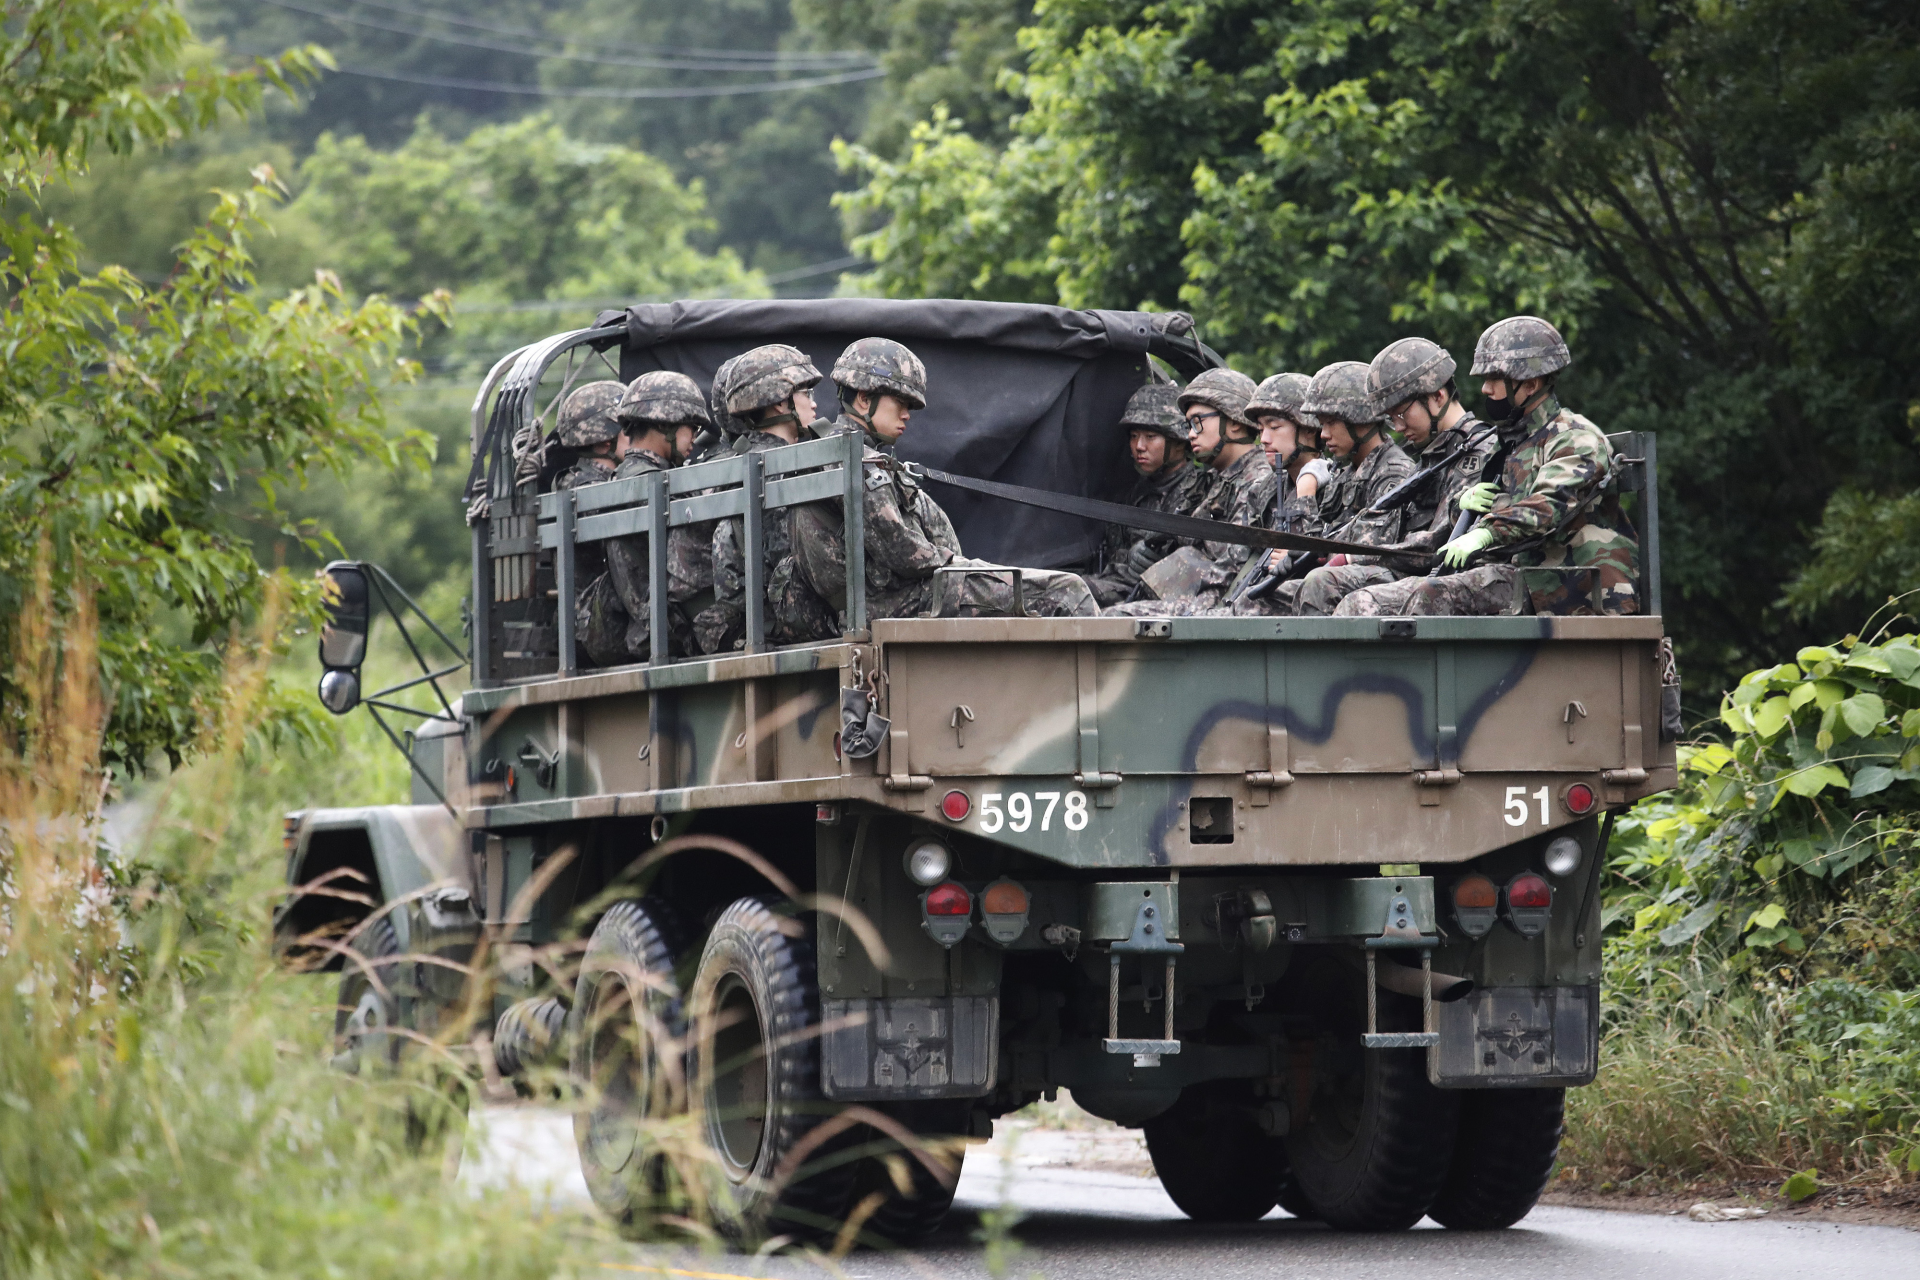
x: 956, y: 806
x: 1529, y: 890
x: 1476, y: 891
x: 1580, y: 798
x: 951, y: 899
x: 1004, y: 898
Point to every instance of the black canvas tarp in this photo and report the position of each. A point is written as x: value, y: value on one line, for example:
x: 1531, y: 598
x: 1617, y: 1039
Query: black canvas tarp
x: 1017, y: 393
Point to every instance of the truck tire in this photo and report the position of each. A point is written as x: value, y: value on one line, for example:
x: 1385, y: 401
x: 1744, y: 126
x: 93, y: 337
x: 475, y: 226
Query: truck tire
x: 755, y: 1079
x: 365, y: 1021
x: 1502, y: 1156
x: 909, y: 1218
x: 1212, y: 1159
x: 626, y: 1038
x: 528, y: 1037
x: 1373, y: 1150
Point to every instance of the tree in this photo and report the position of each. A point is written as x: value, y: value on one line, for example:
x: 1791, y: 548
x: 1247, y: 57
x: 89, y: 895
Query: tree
x: 1713, y: 201
x: 138, y: 421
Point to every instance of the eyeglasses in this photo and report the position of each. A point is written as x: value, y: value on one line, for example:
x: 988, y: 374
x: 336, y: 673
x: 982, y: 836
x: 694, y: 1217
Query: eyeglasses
x: 1199, y: 419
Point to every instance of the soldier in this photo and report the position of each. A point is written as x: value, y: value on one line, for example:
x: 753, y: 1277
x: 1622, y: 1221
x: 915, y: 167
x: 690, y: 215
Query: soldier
x: 615, y: 619
x: 908, y: 536
x: 1157, y: 441
x: 1356, y: 434
x: 1195, y: 579
x: 766, y: 401
x: 1566, y: 546
x: 1291, y: 438
x: 588, y: 427
x: 1413, y: 379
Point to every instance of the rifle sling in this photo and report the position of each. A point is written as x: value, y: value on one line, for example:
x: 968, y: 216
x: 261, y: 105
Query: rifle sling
x: 1190, y: 527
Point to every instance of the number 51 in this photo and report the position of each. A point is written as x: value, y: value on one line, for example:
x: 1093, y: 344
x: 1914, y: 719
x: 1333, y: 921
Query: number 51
x: 1516, y: 807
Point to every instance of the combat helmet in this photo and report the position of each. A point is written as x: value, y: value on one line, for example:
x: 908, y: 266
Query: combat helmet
x: 1222, y: 389
x: 883, y: 367
x: 1156, y: 407
x: 760, y: 378
x: 1406, y: 370
x: 587, y: 415
x: 1340, y: 391
x: 1283, y: 394
x: 1518, y: 348
x: 663, y: 399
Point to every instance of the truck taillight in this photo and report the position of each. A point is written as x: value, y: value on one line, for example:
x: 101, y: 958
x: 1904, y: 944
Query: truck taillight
x: 1529, y: 903
x: 1476, y: 905
x: 1003, y: 909
x: 946, y: 912
x: 1580, y: 799
x: 956, y: 805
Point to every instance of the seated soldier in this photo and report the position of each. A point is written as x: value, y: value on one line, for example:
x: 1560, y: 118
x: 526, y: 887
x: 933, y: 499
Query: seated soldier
x: 1553, y: 516
x: 588, y: 427
x: 1373, y: 465
x: 1157, y: 442
x: 615, y: 619
x: 1291, y: 441
x: 767, y: 403
x: 909, y: 538
x: 1413, y: 380
x: 1195, y: 579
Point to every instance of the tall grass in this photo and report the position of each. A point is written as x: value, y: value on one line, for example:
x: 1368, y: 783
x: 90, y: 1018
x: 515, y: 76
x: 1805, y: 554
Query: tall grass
x: 165, y: 1104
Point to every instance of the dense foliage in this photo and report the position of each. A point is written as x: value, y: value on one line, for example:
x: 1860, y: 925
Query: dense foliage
x: 1714, y: 201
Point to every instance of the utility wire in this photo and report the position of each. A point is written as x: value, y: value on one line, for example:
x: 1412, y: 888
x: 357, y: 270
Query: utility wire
x: 736, y: 54
x: 498, y: 46
x: 543, y: 91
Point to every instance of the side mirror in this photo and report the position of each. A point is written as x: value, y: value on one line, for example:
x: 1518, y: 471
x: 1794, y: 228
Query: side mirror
x: 343, y: 637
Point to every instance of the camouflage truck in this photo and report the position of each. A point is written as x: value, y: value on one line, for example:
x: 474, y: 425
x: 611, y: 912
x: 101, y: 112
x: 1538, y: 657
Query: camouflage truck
x: 1312, y: 901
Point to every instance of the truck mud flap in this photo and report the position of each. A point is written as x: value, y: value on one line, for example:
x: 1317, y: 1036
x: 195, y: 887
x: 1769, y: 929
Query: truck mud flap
x: 882, y: 1050
x: 1525, y: 1037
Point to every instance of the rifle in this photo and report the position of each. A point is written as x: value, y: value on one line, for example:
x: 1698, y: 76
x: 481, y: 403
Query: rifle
x: 1402, y: 493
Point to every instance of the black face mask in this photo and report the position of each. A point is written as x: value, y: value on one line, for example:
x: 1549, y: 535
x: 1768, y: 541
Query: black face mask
x: 1500, y: 412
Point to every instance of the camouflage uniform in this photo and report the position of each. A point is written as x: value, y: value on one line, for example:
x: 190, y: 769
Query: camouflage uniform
x: 1177, y: 488
x: 759, y: 379
x: 908, y: 536
x: 1555, y: 510
x: 587, y: 419
x: 1283, y: 394
x: 1195, y: 578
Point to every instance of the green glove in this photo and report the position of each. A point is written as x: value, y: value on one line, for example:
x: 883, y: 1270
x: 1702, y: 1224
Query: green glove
x: 1480, y: 497
x: 1466, y: 546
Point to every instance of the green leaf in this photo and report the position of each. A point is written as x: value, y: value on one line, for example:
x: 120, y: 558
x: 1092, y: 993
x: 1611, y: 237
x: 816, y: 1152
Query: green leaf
x: 1800, y: 1186
x: 1813, y: 655
x: 1828, y: 692
x: 1910, y: 724
x: 1735, y: 717
x: 1766, y: 917
x: 1802, y: 694
x: 1689, y: 925
x: 1863, y: 713
x: 1811, y: 782
x: 1871, y: 780
x: 1769, y: 717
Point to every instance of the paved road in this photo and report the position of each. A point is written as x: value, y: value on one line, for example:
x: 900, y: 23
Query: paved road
x: 1080, y: 1224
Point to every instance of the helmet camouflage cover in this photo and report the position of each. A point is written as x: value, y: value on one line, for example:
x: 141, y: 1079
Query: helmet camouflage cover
x: 884, y: 366
x: 1156, y: 407
x: 1222, y: 389
x: 1340, y: 391
x: 1520, y: 347
x: 768, y: 375
x: 586, y: 416
x: 1407, y: 369
x: 665, y: 399
x: 1283, y: 394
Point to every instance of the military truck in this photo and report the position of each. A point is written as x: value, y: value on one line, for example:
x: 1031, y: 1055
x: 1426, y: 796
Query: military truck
x: 1312, y: 901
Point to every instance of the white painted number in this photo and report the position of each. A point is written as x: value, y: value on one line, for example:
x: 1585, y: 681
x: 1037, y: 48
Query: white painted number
x: 1515, y: 810
x: 1019, y: 811
x: 1018, y: 815
x: 991, y: 819
x: 1516, y: 807
x: 1053, y: 802
x: 1076, y: 816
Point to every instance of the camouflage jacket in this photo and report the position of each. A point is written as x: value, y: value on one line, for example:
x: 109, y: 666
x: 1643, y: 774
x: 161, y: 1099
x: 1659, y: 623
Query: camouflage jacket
x: 908, y: 537
x: 590, y: 559
x: 1345, y: 500
x: 1558, y: 513
x: 1436, y: 508
x: 1244, y: 494
x: 720, y: 625
x: 1129, y: 552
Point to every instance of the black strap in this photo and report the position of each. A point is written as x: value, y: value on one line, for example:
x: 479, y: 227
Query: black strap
x: 1190, y: 527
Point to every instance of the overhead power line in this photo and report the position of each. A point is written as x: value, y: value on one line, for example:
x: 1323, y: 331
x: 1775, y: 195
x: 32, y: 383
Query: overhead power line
x: 693, y: 58
x: 561, y: 91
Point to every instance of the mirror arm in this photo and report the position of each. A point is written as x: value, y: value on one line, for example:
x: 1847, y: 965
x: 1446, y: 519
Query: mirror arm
x: 412, y: 764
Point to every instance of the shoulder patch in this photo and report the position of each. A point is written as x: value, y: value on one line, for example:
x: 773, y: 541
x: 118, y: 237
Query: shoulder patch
x: 877, y: 477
